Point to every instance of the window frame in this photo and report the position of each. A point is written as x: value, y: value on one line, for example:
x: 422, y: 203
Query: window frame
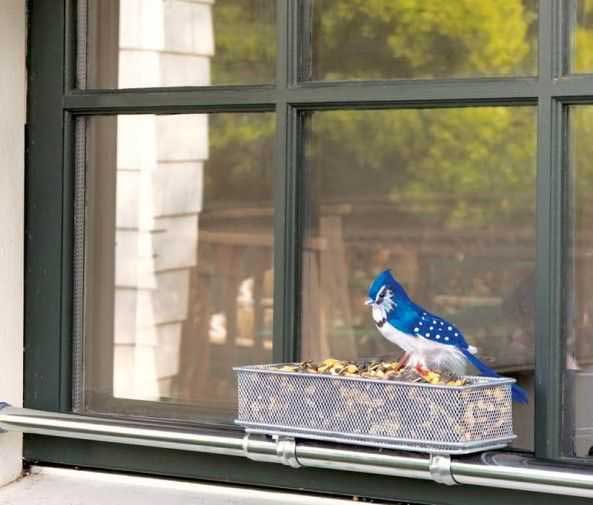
x: 53, y: 105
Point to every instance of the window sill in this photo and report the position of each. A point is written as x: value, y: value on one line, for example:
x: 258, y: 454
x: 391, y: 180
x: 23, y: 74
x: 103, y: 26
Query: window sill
x: 56, y: 486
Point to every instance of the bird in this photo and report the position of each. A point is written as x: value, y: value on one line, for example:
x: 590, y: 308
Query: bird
x: 428, y: 340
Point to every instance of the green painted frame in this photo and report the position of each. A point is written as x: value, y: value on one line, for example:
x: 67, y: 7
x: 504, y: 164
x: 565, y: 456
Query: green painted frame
x: 54, y: 103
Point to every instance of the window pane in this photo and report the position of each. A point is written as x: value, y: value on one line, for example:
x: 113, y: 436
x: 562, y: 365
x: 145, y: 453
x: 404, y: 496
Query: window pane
x: 146, y: 43
x: 580, y: 13
x: 178, y: 277
x: 579, y: 356
x: 444, y: 197
x: 418, y: 39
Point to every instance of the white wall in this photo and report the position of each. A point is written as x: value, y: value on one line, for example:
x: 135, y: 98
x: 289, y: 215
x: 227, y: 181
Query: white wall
x: 12, y: 120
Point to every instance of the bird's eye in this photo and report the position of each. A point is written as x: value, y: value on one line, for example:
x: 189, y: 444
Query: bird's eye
x: 382, y: 295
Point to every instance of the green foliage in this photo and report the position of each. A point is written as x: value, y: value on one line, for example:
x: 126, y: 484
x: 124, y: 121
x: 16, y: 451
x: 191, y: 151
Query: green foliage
x: 457, y: 167
x: 245, y: 42
x: 582, y: 37
x: 239, y: 168
x: 369, y: 39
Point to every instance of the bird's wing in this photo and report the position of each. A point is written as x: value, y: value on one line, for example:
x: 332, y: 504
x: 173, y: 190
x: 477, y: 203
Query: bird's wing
x: 439, y: 330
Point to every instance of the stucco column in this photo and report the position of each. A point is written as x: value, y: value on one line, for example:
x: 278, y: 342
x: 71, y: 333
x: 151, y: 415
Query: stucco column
x: 12, y: 168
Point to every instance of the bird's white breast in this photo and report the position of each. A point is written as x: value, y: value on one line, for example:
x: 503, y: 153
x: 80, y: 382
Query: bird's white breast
x: 404, y: 340
x: 424, y: 352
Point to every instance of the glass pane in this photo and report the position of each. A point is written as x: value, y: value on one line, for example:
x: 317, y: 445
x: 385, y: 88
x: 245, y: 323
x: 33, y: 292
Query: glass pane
x: 580, y: 13
x: 179, y: 246
x: 579, y: 338
x: 446, y: 199
x: 147, y: 43
x: 419, y: 39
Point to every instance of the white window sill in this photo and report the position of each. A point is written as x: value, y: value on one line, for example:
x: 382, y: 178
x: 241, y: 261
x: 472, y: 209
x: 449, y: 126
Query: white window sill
x: 57, y: 486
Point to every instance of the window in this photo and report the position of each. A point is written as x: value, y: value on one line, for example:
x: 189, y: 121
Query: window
x: 420, y: 40
x: 213, y: 183
x: 444, y: 196
x: 578, y: 415
x: 178, y: 244
x: 136, y: 44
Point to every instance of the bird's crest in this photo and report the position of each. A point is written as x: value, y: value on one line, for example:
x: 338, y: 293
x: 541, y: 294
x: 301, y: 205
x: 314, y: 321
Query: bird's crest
x: 386, y: 279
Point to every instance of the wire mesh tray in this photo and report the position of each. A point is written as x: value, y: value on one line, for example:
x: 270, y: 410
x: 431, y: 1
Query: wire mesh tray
x: 437, y: 419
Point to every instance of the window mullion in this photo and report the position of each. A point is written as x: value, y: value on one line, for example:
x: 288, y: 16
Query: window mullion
x: 550, y: 278
x: 163, y: 100
x: 286, y: 194
x: 551, y: 230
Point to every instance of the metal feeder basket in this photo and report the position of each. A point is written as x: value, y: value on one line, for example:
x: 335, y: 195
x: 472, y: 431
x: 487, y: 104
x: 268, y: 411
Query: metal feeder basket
x: 436, y: 419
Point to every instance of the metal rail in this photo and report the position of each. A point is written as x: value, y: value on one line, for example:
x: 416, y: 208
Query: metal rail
x: 494, y: 469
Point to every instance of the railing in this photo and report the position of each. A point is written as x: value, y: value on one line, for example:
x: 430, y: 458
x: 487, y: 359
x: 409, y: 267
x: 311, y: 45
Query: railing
x: 496, y: 469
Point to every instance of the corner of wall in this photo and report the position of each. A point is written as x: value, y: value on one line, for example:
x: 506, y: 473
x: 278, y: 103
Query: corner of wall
x: 12, y: 171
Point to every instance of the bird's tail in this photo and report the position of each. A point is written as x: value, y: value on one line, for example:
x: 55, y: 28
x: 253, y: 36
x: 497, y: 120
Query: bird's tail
x: 519, y: 394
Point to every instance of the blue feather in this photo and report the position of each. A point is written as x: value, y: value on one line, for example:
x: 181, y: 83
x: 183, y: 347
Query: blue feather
x: 519, y: 394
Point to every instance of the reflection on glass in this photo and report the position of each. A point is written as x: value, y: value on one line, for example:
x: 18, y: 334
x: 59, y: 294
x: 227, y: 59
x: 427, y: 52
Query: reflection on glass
x: 386, y: 39
x: 579, y: 355
x: 147, y: 43
x: 179, y: 259
x: 444, y: 197
x: 580, y: 13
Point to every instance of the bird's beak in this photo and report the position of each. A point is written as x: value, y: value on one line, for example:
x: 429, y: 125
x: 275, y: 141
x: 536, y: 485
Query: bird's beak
x: 368, y: 301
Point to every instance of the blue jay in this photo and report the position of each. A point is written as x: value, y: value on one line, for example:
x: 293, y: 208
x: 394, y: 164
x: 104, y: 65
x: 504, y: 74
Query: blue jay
x: 428, y: 340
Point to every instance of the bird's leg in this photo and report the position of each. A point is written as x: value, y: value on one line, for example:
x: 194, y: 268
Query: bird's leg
x: 421, y: 370
x: 403, y: 361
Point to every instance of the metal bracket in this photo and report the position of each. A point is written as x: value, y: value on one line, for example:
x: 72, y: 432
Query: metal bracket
x: 283, y: 451
x: 440, y: 469
x: 286, y: 451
